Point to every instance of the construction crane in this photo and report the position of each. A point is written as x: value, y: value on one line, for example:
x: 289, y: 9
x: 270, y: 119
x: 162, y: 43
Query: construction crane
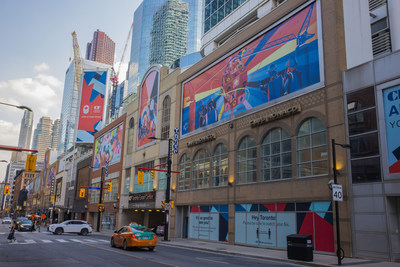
x: 114, y: 79
x: 77, y: 60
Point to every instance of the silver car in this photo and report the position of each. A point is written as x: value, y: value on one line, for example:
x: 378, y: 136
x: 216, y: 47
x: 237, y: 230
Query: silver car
x: 6, y: 220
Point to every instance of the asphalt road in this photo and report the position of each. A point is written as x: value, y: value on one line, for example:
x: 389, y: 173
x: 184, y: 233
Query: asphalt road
x: 46, y: 249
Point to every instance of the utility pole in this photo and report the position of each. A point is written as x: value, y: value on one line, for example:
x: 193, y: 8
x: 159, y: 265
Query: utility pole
x: 100, y: 200
x: 167, y: 192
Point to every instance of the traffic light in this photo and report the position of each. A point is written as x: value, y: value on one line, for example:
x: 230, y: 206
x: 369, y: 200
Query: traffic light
x: 101, y: 208
x: 108, y: 187
x: 163, y: 204
x: 82, y: 192
x: 7, y: 189
x: 140, y: 177
x: 172, y: 204
x: 152, y: 175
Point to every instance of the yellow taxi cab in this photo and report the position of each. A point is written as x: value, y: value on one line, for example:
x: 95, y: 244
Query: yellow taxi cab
x: 134, y: 235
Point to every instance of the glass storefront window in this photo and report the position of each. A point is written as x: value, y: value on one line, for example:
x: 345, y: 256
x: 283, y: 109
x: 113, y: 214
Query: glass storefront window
x: 108, y: 221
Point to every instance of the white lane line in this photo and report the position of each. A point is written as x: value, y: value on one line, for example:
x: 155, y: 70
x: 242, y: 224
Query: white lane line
x: 62, y: 240
x: 76, y: 240
x: 204, y: 259
x: 91, y: 240
x: 46, y: 241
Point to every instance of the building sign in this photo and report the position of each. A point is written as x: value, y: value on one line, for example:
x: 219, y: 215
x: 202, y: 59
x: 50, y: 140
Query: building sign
x: 201, y: 140
x: 141, y: 197
x: 92, y: 105
x: 391, y: 101
x: 282, y: 61
x: 148, y: 108
x: 108, y: 147
x: 275, y: 116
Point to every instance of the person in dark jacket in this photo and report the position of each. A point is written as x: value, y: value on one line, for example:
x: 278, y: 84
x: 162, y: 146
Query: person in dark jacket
x: 11, y: 236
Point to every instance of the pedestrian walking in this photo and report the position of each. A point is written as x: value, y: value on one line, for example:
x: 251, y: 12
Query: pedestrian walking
x: 11, y: 235
x: 37, y: 225
x: 33, y: 226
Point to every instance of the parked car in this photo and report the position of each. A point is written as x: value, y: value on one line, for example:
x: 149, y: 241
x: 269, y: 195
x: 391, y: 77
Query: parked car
x: 6, y: 220
x: 71, y: 226
x: 160, y: 230
x: 134, y: 236
x: 24, y: 225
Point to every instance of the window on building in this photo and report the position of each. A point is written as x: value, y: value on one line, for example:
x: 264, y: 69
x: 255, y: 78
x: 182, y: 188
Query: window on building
x: 113, y: 194
x: 201, y: 169
x: 247, y: 161
x: 165, y: 123
x: 94, y: 194
x: 147, y: 185
x: 276, y: 156
x: 184, y: 175
x: 162, y: 176
x: 363, y: 133
x: 216, y: 10
x: 127, y: 186
x: 130, y: 136
x: 312, y: 149
x: 220, y: 166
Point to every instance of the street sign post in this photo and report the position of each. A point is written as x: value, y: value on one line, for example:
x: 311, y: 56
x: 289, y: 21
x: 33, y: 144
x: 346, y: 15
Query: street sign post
x: 337, y: 192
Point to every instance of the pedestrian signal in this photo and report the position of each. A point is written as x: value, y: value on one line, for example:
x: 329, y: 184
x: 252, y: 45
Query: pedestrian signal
x: 82, y: 192
x: 152, y: 175
x: 7, y: 189
x: 140, y: 177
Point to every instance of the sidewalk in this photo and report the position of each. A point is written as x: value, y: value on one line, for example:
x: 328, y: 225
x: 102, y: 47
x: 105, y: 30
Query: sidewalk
x: 273, y: 254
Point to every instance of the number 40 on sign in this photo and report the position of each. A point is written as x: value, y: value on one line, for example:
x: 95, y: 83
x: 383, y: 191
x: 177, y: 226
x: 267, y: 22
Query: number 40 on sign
x: 337, y: 192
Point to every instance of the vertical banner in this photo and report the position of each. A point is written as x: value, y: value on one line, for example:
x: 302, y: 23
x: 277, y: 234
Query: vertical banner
x: 148, y: 108
x: 391, y: 102
x: 280, y: 62
x: 92, y: 105
x: 108, y: 147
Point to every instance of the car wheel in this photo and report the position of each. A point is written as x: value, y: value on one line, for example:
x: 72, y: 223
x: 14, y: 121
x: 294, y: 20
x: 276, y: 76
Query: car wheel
x: 112, y: 243
x: 125, y: 247
x: 84, y: 231
x: 58, y: 231
x: 151, y: 248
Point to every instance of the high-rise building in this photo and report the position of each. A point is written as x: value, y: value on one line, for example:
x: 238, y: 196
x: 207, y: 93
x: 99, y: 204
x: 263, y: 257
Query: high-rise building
x: 101, y: 48
x: 54, y: 134
x: 25, y: 134
x: 141, y: 36
x: 70, y: 103
x: 169, y: 33
x: 43, y: 137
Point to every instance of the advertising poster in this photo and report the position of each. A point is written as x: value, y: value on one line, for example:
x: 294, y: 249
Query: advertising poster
x: 37, y: 183
x: 51, y: 176
x: 240, y: 226
x: 391, y: 101
x: 267, y: 231
x: 252, y: 228
x: 46, y: 161
x: 92, y: 105
x: 194, y: 225
x: 286, y: 225
x: 213, y: 221
x: 147, y: 122
x: 108, y: 147
x: 281, y: 61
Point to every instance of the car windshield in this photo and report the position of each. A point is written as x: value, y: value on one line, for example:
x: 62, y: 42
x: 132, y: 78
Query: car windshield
x: 140, y: 228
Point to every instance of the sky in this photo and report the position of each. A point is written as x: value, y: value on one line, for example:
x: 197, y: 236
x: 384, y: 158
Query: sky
x: 35, y: 52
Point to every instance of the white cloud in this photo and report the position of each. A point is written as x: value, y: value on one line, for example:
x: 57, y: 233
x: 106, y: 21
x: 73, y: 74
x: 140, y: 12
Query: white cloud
x: 43, y: 94
x: 41, y: 67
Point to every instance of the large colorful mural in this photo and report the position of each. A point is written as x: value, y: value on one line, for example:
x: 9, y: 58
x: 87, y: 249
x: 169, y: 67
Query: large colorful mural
x: 92, y: 105
x: 391, y: 101
x: 108, y: 147
x: 283, y: 60
x: 51, y: 175
x: 147, y: 122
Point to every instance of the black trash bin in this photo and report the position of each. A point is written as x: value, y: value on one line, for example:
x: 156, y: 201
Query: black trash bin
x: 299, y: 247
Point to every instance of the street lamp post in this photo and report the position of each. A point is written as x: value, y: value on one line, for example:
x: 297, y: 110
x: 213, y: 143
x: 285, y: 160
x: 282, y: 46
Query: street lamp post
x: 338, y: 251
x: 20, y: 107
x: 168, y: 189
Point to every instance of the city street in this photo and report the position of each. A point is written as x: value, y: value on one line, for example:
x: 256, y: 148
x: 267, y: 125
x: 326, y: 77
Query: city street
x: 46, y: 249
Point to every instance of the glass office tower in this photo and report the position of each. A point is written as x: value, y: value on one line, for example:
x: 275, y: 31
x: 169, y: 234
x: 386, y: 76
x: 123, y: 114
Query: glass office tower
x: 141, y: 36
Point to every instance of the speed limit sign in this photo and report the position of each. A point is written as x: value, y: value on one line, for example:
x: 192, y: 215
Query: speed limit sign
x: 337, y: 192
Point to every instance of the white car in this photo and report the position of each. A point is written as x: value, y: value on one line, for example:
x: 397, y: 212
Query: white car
x: 70, y: 226
x: 6, y: 220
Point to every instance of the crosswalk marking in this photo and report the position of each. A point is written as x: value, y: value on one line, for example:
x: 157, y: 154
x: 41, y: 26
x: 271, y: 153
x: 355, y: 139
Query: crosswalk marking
x: 102, y: 240
x: 62, y: 240
x: 77, y: 240
x: 46, y: 241
x: 30, y: 241
x: 90, y: 240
